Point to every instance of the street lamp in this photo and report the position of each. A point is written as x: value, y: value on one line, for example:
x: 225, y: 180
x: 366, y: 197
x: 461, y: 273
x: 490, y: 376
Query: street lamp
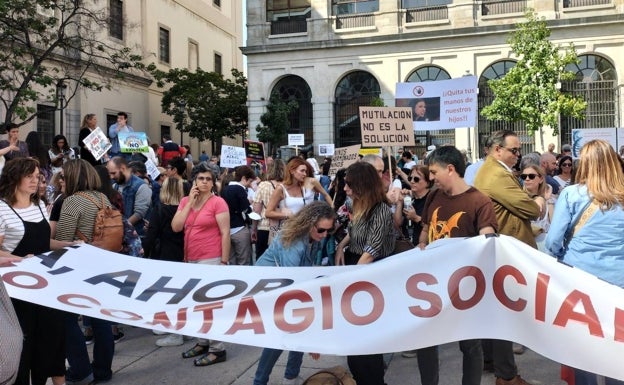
x: 61, y: 88
x: 182, y: 106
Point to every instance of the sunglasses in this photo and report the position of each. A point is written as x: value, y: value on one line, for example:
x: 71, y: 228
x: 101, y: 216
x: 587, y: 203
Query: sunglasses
x: 514, y: 150
x: 321, y: 230
x: 416, y: 179
x: 204, y: 178
x: 528, y: 176
x: 566, y: 165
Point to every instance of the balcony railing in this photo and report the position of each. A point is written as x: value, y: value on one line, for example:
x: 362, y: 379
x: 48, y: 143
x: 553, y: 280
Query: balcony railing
x: 415, y: 15
x: 355, y: 21
x: 280, y: 27
x: 502, y: 7
x: 584, y: 3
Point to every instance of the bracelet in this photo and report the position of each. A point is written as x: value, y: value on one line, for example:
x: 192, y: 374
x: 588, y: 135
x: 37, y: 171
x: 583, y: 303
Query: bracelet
x: 224, y: 262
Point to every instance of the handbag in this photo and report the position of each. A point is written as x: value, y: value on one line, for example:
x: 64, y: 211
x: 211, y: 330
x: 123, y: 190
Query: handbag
x: 275, y: 225
x: 11, y: 339
x: 338, y: 375
x: 402, y: 245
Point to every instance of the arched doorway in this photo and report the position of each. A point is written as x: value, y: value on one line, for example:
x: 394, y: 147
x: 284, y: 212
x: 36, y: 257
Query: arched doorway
x: 293, y: 87
x: 596, y: 83
x: 355, y: 89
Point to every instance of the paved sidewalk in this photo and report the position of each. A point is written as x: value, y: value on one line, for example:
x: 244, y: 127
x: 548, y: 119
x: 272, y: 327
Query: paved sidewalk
x: 139, y: 361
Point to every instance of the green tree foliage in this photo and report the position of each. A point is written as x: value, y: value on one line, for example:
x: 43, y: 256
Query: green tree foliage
x: 204, y: 104
x: 44, y: 42
x: 275, y: 122
x: 529, y: 91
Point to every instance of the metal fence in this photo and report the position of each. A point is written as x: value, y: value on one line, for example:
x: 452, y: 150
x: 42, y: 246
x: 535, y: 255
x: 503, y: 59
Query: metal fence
x: 355, y: 21
x: 502, y: 7
x: 415, y: 15
x: 280, y: 27
x: 584, y: 3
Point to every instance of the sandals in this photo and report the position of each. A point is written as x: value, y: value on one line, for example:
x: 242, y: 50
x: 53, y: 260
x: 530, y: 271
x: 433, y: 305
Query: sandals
x: 195, y: 351
x: 206, y: 360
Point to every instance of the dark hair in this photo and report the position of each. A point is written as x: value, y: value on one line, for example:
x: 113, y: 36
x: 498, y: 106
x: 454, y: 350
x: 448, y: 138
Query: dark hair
x: 166, y: 137
x: 243, y: 171
x: 393, y: 164
x: 446, y: 155
x: 80, y: 175
x: 12, y: 174
x: 498, y: 138
x: 562, y: 160
x: 119, y: 161
x: 138, y: 167
x: 106, y: 186
x: 121, y: 113
x: 55, y: 141
x: 337, y: 191
x: 37, y: 150
x: 201, y: 168
x: 178, y: 163
x: 368, y: 192
x: 407, y: 154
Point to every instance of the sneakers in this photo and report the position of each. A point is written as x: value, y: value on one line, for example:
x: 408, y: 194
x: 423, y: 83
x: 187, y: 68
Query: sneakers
x: 518, y: 349
x: 409, y: 354
x: 292, y: 381
x: 119, y: 336
x: 517, y: 380
x: 88, y: 339
x: 85, y: 381
x: 159, y: 333
x: 170, y: 340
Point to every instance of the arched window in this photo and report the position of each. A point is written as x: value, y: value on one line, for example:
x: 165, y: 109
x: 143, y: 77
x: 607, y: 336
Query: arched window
x: 295, y: 88
x: 596, y: 83
x: 356, y: 89
x: 486, y: 97
x: 437, y: 137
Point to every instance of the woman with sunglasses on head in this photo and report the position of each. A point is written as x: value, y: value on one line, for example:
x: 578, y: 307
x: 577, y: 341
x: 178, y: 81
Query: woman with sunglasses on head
x: 534, y: 183
x: 296, y: 245
x: 371, y: 238
x: 205, y: 219
x: 588, y: 223
x: 565, y: 174
x: 25, y: 231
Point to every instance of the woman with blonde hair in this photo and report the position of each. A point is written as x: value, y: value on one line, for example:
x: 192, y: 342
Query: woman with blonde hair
x: 297, y: 190
x: 89, y: 124
x: 296, y: 245
x: 588, y: 223
x: 534, y: 183
x: 370, y: 238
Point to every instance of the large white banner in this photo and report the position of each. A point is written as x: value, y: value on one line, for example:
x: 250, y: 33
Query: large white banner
x: 458, y: 289
x: 440, y: 105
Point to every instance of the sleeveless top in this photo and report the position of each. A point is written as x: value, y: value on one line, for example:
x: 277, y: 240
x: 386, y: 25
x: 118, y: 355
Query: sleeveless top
x: 295, y: 204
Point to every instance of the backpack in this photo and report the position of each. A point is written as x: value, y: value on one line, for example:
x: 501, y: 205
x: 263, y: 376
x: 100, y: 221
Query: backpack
x: 337, y: 375
x: 108, y: 229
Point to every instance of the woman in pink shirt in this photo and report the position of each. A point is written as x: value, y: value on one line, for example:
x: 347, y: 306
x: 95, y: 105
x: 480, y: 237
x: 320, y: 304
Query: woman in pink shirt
x: 205, y: 219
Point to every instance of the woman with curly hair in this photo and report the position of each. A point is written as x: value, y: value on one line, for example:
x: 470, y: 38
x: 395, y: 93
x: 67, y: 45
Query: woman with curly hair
x: 296, y: 245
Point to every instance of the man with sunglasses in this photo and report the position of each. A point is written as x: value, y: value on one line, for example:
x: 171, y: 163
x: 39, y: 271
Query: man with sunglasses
x: 454, y: 209
x: 514, y: 211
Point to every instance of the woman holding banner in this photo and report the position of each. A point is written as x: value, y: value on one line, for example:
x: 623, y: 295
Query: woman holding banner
x: 371, y: 238
x: 296, y: 245
x: 588, y: 223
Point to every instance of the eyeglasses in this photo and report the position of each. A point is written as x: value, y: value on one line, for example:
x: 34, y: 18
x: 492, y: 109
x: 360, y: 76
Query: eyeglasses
x: 38, y: 178
x: 528, y: 176
x: 416, y: 179
x: 566, y: 165
x: 514, y: 150
x: 321, y: 230
x: 204, y: 179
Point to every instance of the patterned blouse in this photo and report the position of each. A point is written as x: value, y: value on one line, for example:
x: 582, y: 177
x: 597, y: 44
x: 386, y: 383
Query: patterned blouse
x: 373, y: 235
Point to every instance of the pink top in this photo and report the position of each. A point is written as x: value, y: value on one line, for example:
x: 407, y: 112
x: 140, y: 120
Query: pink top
x: 202, y: 238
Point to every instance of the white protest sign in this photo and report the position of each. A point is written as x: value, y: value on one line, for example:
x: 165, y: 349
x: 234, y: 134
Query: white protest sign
x: 326, y: 149
x: 152, y: 169
x: 233, y: 156
x: 296, y: 139
x: 97, y: 143
x: 456, y: 289
x: 442, y: 104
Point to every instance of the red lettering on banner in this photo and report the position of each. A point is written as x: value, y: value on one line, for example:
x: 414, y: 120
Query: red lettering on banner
x: 112, y: 313
x: 307, y: 313
x: 499, y: 287
x: 246, y: 306
x: 435, y: 302
x: 10, y: 277
x: 207, y: 310
x: 618, y: 334
x: 566, y: 312
x: 328, y: 307
x: 161, y: 318
x: 67, y: 300
x: 455, y: 280
x: 541, y: 290
x: 347, y: 301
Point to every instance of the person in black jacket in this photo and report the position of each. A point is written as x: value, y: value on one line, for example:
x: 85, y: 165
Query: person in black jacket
x: 235, y: 195
x: 161, y: 242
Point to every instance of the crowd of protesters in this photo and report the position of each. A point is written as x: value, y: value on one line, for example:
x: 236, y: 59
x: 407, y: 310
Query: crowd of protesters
x: 293, y: 213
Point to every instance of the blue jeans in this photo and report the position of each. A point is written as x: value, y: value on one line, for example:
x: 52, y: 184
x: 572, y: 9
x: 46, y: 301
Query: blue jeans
x: 582, y: 377
x: 269, y: 357
x: 77, y: 355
